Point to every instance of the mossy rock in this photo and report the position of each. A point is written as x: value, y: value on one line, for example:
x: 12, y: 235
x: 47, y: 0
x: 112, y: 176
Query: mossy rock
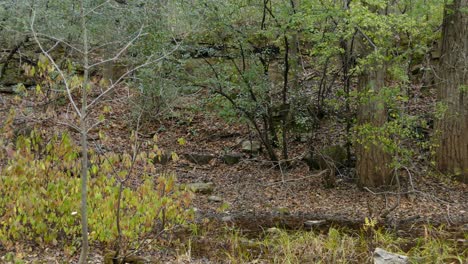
x: 13, y: 77
x: 333, y: 154
x: 199, y: 158
x: 231, y: 159
x: 281, y: 211
x: 201, y: 187
x: 251, y: 146
x: 336, y: 153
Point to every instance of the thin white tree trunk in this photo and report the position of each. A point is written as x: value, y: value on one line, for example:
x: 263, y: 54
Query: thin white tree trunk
x: 84, y: 143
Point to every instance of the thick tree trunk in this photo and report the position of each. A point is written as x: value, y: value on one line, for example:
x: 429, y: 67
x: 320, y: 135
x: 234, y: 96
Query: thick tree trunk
x: 372, y: 165
x: 452, y: 129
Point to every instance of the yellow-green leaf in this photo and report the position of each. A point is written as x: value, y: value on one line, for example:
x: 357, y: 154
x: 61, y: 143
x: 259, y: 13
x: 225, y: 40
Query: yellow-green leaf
x: 174, y: 156
x: 181, y: 141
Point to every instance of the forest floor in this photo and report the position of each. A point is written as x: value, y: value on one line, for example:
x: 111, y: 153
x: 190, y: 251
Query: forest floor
x: 253, y: 194
x: 254, y: 185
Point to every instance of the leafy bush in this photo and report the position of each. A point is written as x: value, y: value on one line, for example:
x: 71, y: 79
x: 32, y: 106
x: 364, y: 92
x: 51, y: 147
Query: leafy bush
x: 40, y: 194
x: 158, y: 91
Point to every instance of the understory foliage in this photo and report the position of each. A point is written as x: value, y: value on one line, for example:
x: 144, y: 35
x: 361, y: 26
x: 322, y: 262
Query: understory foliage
x: 284, y: 68
x: 402, y: 135
x: 40, y: 194
x: 342, y: 246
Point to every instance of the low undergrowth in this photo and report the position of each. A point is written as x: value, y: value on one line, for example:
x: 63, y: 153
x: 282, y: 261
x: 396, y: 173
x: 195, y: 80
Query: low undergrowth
x: 335, y: 246
x: 40, y: 195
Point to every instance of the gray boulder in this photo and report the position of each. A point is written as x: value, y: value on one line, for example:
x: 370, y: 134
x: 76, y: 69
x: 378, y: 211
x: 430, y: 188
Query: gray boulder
x: 281, y: 211
x: 231, y: 159
x: 227, y: 218
x: 382, y: 256
x: 335, y: 155
x: 310, y: 224
x: 215, y: 199
x: 251, y: 146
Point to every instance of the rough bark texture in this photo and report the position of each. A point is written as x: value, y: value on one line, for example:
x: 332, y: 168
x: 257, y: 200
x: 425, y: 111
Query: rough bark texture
x: 372, y: 162
x: 452, y: 129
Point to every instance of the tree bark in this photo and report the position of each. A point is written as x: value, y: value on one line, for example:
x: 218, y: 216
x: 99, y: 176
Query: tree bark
x: 452, y: 129
x: 84, y: 143
x: 372, y: 164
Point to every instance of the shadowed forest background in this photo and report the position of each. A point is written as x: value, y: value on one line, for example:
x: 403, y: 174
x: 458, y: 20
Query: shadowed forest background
x: 236, y: 131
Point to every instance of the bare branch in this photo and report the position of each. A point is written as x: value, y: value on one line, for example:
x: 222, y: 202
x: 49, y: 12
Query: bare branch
x: 121, y: 51
x: 96, y: 8
x: 97, y: 47
x: 62, y: 74
x: 95, y: 125
x: 149, y: 61
x: 77, y: 129
x: 298, y: 179
x: 54, y: 38
x: 408, y: 192
x: 367, y: 37
x: 53, y: 47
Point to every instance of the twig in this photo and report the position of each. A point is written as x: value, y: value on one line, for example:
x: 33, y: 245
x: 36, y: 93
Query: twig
x: 118, y: 54
x: 96, y: 8
x: 367, y: 37
x: 62, y: 74
x: 410, y: 177
x: 77, y: 129
x: 55, y: 39
x: 53, y: 47
x: 298, y: 179
x: 95, y: 125
x: 148, y: 62
x: 408, y: 192
x: 449, y: 220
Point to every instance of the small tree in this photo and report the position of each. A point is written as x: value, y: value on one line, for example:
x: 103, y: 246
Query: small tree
x: 87, y: 104
x: 252, y: 55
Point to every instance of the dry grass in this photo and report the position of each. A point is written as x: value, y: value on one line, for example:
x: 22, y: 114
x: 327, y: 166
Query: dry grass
x: 335, y: 246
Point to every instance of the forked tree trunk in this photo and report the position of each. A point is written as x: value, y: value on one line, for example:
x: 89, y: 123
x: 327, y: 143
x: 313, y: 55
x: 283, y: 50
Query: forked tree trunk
x: 452, y: 129
x: 372, y: 165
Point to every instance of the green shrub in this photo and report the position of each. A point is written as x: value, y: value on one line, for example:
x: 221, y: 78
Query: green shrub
x: 40, y: 194
x: 158, y: 92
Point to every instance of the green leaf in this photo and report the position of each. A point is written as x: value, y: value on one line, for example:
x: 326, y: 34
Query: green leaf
x: 181, y: 141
